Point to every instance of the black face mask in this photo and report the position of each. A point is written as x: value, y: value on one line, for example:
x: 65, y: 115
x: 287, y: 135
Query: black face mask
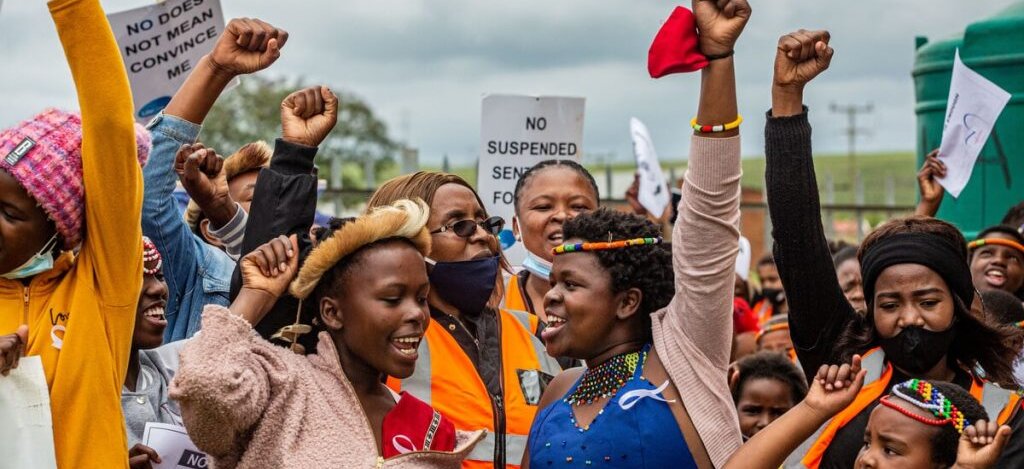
x: 916, y: 350
x: 774, y: 295
x: 466, y: 285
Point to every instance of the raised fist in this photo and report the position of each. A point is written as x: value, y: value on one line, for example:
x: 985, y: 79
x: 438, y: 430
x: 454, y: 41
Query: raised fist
x: 272, y: 266
x: 801, y: 56
x: 247, y: 45
x: 720, y: 23
x: 201, y: 172
x: 308, y: 115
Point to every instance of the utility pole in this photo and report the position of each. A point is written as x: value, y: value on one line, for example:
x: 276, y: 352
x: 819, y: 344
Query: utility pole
x: 852, y: 131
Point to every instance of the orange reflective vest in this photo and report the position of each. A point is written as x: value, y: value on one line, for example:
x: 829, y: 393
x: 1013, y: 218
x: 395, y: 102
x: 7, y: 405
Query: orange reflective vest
x: 514, y: 297
x: 446, y: 379
x: 764, y: 311
x: 997, y: 401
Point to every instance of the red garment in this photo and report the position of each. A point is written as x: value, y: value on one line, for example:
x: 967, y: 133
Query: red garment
x: 674, y: 49
x: 743, y: 318
x: 406, y: 426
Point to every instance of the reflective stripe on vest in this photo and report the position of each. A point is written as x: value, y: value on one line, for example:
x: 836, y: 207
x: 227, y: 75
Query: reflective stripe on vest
x: 999, y: 403
x: 446, y: 379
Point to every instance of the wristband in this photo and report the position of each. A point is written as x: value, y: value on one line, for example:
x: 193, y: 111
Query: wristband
x: 723, y: 55
x: 706, y: 129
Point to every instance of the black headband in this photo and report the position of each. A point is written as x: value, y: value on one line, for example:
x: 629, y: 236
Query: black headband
x: 932, y: 251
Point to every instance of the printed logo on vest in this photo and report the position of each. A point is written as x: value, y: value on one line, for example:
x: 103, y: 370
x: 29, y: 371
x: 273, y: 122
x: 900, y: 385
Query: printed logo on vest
x: 192, y: 460
x: 19, y: 151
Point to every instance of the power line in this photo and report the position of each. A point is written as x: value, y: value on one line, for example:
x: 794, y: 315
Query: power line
x: 852, y: 131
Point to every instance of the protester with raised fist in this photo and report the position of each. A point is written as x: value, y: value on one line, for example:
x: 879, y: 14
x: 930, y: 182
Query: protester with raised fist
x: 201, y: 249
x: 653, y: 325
x: 368, y: 281
x: 68, y: 183
x: 916, y: 282
x: 285, y: 196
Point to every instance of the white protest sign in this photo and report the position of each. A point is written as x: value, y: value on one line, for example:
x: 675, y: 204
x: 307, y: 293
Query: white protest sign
x: 974, y: 105
x: 26, y: 435
x: 653, y: 192
x: 161, y: 43
x: 517, y: 132
x: 173, y: 445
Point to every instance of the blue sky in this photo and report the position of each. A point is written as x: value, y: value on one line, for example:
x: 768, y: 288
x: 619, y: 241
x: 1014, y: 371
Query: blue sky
x: 424, y: 65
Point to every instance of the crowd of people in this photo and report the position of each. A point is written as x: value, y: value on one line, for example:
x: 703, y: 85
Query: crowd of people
x: 403, y: 337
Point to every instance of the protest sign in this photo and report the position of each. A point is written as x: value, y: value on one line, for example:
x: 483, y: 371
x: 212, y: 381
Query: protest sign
x: 653, y: 192
x: 161, y: 43
x: 971, y: 112
x: 517, y: 132
x: 26, y: 436
x: 175, y: 448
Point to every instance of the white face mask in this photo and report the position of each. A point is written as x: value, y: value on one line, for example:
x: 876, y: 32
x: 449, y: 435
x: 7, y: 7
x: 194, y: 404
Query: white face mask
x: 39, y: 262
x: 533, y: 263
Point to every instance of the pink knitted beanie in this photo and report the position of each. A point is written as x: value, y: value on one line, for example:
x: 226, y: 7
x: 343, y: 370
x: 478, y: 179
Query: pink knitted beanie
x: 44, y: 154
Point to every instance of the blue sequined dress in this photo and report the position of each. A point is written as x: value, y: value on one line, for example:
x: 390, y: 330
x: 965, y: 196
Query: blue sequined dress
x: 636, y: 429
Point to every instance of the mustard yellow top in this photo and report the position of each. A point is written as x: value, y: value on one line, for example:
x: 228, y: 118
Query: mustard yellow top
x: 81, y: 314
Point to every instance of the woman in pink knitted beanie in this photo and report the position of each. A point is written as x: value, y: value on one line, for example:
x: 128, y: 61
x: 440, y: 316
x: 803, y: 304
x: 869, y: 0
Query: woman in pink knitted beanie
x: 70, y: 257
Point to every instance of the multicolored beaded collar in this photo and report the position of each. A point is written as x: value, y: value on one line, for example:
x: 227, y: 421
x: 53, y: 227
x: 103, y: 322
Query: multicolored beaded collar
x: 604, y: 246
x: 606, y: 379
x: 926, y: 397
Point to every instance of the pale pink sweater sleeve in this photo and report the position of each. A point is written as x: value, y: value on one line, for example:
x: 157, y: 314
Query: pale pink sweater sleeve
x: 705, y: 243
x: 224, y: 381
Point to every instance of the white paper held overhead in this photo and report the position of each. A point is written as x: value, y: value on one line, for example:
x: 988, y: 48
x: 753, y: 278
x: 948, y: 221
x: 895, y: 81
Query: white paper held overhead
x: 971, y: 113
x: 653, y: 192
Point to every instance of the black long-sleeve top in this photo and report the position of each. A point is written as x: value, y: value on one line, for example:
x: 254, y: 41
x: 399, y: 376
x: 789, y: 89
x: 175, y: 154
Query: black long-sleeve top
x: 818, y: 311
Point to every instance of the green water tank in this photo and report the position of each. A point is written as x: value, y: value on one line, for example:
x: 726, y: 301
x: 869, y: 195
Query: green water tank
x: 993, y: 47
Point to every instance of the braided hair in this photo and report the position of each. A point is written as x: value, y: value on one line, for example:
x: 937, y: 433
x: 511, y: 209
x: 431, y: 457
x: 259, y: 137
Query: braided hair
x: 923, y: 395
x: 539, y: 167
x: 647, y: 268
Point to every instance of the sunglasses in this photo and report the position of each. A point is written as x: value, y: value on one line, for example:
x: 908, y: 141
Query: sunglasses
x: 466, y: 228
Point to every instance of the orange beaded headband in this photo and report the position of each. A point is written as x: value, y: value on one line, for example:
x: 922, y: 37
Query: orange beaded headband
x: 995, y: 241
x: 604, y: 246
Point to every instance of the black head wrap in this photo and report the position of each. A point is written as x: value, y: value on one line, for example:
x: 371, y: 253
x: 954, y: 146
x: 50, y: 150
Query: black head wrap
x: 932, y: 251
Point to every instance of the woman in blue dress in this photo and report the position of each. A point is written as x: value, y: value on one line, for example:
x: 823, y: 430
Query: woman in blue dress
x: 653, y: 323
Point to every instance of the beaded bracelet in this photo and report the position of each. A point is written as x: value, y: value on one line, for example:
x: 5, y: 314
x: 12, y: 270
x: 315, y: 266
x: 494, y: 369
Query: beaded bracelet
x: 707, y: 129
x: 933, y: 401
x: 995, y: 241
x: 622, y: 243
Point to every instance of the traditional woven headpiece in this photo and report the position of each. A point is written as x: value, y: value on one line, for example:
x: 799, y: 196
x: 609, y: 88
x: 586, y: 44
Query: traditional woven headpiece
x: 605, y: 246
x: 921, y: 394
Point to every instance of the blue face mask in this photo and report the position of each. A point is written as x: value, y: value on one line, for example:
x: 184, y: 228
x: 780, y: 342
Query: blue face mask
x: 537, y: 266
x: 39, y: 262
x: 466, y: 285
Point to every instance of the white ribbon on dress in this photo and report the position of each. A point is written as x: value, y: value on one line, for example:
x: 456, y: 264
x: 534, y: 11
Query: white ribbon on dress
x: 631, y: 398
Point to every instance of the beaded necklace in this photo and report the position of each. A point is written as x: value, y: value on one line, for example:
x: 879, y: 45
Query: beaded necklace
x: 606, y: 379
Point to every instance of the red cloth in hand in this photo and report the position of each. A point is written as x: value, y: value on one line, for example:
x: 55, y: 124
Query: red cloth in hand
x: 405, y: 428
x: 743, y: 318
x: 675, y: 49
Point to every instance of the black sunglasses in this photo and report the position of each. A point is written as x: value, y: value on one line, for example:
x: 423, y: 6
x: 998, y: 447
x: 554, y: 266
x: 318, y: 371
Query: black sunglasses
x: 466, y: 228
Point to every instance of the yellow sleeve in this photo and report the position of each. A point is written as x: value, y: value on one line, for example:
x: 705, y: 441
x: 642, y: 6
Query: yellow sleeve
x: 112, y: 245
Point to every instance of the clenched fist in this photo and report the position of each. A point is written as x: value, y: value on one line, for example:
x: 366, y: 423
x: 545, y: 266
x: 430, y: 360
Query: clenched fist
x: 201, y: 172
x: 308, y: 115
x: 271, y: 267
x: 800, y: 57
x: 247, y: 45
x: 719, y: 23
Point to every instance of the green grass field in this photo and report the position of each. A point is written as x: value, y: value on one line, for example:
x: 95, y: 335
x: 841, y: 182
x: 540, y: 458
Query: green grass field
x: 875, y: 169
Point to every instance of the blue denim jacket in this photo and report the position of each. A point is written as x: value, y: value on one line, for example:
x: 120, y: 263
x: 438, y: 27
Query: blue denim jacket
x: 197, y: 273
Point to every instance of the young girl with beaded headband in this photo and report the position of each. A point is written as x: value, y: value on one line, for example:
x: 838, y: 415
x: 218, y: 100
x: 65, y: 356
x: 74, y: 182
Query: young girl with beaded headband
x: 920, y: 425
x: 653, y: 324
x: 330, y: 408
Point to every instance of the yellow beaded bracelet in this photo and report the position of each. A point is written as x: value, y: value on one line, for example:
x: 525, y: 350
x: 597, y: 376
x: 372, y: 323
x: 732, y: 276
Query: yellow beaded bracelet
x: 706, y: 129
